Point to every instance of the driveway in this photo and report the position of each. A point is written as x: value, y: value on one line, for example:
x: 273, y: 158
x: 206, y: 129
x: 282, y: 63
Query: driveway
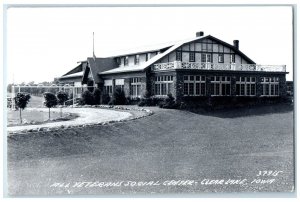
x: 86, y: 116
x: 171, y: 151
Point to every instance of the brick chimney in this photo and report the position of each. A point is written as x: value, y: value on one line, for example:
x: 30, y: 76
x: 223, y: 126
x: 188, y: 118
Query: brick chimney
x: 236, y: 44
x: 198, y: 34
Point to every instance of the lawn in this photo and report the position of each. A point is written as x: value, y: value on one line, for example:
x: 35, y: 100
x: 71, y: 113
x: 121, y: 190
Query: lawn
x: 30, y: 117
x: 169, y: 145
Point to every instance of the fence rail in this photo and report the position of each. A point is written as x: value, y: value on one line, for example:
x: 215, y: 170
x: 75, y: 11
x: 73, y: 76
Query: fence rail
x: 217, y: 66
x: 74, y: 92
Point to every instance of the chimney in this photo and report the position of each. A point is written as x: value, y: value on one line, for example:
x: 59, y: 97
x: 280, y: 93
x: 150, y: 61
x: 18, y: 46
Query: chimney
x: 236, y: 44
x: 198, y: 34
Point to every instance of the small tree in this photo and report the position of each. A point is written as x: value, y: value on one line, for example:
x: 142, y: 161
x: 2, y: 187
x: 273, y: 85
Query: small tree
x: 87, y: 98
x: 62, y: 98
x: 21, y: 101
x: 50, y: 101
x: 96, y: 95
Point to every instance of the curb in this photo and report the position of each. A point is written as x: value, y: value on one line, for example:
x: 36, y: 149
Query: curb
x: 62, y: 127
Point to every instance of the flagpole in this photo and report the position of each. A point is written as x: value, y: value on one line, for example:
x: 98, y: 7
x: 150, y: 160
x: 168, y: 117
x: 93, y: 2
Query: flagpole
x: 94, y: 48
x: 93, y: 45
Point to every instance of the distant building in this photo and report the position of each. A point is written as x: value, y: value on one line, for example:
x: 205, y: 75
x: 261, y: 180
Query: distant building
x: 290, y: 87
x: 202, y: 66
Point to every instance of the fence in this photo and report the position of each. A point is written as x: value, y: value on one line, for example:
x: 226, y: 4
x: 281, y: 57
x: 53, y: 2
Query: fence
x: 37, y: 98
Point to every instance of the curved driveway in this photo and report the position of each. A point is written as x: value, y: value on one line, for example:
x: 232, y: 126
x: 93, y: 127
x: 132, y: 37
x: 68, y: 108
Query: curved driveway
x: 86, y: 116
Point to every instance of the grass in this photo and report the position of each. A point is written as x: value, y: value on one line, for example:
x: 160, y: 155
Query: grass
x: 35, y: 117
x: 169, y: 145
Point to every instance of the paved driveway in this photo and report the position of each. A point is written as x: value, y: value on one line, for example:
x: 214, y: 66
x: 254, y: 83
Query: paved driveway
x: 171, y: 151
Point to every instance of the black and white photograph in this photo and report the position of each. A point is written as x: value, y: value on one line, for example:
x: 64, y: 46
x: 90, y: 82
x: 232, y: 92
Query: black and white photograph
x: 141, y: 100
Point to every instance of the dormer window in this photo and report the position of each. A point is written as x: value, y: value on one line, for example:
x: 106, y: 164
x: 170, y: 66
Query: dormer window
x: 136, y: 59
x: 126, y: 61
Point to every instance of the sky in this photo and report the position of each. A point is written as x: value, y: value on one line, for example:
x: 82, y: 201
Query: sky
x: 43, y: 43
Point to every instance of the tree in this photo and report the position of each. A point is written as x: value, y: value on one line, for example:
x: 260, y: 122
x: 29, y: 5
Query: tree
x: 96, y: 94
x: 21, y: 101
x: 119, y: 97
x: 87, y: 98
x: 62, y: 98
x: 50, y: 101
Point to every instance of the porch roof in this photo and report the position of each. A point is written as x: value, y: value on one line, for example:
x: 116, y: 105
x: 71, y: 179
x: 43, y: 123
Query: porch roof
x: 77, y: 74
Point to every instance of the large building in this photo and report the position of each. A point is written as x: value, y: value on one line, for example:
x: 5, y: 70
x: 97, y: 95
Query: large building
x: 202, y: 66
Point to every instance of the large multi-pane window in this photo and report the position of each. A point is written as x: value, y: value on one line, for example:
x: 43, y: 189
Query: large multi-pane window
x: 163, y: 85
x: 221, y: 85
x: 270, y: 86
x: 194, y: 85
x: 246, y: 86
x: 135, y: 87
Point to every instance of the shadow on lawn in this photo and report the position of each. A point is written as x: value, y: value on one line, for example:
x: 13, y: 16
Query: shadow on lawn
x: 244, y: 111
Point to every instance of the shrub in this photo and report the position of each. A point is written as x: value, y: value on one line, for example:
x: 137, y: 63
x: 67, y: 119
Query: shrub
x: 62, y: 97
x: 105, y: 98
x: 169, y: 102
x: 21, y: 101
x: 118, y: 97
x: 50, y: 101
x: 87, y: 98
x: 96, y: 95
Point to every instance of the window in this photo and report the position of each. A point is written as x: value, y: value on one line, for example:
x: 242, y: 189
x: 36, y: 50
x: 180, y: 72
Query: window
x: 163, y: 85
x: 126, y: 61
x: 118, y: 61
x: 270, y: 86
x: 192, y: 56
x: 221, y: 86
x: 146, y: 57
x: 246, y: 86
x: 108, y: 87
x: 232, y: 58
x: 135, y: 87
x: 119, y: 84
x: 178, y: 56
x: 194, y: 85
x: 221, y: 58
x: 136, y: 59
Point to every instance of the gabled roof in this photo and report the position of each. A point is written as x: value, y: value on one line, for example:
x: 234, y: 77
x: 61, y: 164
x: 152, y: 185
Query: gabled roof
x: 96, y: 65
x: 234, y: 48
x: 143, y: 66
x: 74, y: 70
x: 74, y: 75
x: 142, y: 49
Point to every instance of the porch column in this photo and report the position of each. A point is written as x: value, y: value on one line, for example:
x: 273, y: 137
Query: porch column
x: 113, y: 88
